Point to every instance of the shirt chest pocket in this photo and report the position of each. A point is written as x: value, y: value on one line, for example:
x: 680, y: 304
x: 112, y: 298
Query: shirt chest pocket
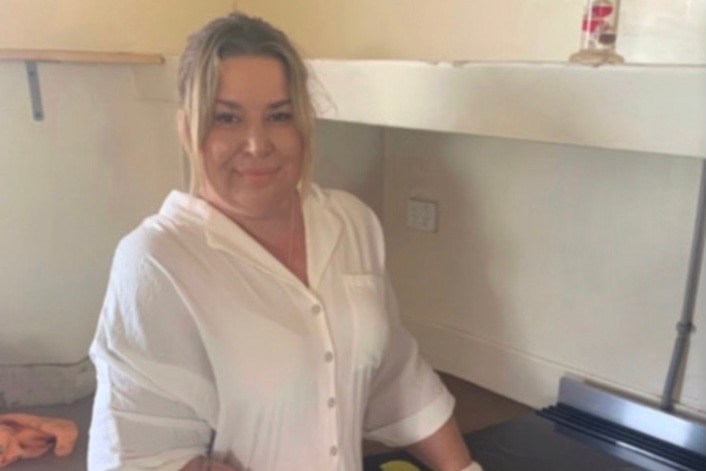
x: 369, y: 321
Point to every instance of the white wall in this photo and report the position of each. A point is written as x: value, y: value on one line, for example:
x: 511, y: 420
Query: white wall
x: 71, y: 186
x: 356, y: 166
x: 548, y: 260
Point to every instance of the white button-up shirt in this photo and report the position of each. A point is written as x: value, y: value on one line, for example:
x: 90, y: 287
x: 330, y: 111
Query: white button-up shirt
x: 204, y: 330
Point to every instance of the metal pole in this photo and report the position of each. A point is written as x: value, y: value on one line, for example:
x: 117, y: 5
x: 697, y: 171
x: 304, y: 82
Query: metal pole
x: 685, y: 325
x: 35, y: 92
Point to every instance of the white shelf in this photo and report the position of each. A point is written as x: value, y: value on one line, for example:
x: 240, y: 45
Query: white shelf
x: 659, y: 109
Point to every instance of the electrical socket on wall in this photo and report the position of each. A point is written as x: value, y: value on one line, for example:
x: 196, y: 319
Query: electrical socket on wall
x: 421, y: 215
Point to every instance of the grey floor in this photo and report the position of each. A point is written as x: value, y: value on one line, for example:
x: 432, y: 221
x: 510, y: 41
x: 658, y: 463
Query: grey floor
x: 79, y: 412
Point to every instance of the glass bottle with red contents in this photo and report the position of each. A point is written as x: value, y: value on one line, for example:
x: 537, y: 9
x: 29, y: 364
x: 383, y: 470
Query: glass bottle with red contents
x: 599, y: 32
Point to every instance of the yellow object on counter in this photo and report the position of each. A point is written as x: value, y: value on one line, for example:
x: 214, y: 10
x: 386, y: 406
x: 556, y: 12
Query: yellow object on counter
x: 398, y: 465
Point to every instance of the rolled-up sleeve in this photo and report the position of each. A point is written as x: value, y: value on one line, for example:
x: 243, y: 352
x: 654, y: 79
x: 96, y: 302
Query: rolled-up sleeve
x: 408, y: 402
x: 155, y: 401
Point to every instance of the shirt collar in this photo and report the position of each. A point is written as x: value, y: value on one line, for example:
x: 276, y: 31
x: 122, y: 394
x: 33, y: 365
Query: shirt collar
x: 322, y: 231
x: 179, y: 205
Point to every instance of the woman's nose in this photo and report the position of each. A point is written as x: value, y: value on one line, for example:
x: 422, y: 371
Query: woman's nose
x: 257, y: 140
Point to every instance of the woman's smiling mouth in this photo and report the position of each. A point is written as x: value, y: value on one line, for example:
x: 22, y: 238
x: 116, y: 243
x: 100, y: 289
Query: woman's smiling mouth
x: 258, y: 174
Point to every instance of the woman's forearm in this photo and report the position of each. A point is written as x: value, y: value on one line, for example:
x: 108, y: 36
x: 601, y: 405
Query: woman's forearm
x: 444, y: 450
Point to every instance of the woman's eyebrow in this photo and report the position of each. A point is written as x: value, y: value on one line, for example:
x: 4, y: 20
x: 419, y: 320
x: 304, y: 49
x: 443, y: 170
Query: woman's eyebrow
x: 228, y: 104
x: 280, y: 103
x: 234, y: 105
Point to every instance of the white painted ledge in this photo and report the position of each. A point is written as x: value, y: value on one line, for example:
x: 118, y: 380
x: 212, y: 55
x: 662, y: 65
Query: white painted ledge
x: 659, y: 109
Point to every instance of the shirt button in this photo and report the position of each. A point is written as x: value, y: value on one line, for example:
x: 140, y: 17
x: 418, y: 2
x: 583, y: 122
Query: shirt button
x: 332, y: 402
x: 328, y: 357
x: 334, y: 450
x: 315, y: 309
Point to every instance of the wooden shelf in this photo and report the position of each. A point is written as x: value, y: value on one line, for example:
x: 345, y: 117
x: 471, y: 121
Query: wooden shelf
x: 33, y: 56
x: 95, y: 57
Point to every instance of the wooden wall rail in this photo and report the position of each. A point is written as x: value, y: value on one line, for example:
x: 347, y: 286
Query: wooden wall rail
x: 48, y: 55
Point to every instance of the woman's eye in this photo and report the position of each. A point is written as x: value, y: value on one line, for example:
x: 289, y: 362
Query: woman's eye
x: 226, y: 118
x: 281, y: 116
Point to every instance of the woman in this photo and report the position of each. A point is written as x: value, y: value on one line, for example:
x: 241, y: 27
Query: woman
x: 249, y: 325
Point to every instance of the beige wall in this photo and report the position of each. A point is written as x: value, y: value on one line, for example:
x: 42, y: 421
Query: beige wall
x: 424, y: 29
x: 652, y: 31
x: 152, y: 26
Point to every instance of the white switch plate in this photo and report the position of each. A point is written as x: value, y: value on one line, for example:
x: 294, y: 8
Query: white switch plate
x: 421, y: 215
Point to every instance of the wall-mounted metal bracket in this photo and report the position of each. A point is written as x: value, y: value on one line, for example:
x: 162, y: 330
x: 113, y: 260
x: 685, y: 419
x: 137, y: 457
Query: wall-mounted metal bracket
x: 35, y: 93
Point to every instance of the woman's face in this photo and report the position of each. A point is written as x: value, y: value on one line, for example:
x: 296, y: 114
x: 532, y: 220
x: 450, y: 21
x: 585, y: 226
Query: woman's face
x: 253, y: 151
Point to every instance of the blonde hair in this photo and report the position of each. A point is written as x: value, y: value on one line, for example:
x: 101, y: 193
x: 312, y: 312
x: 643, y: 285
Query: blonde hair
x: 237, y: 35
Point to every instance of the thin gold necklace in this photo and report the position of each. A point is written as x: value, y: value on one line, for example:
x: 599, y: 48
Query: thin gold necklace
x: 290, y: 249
